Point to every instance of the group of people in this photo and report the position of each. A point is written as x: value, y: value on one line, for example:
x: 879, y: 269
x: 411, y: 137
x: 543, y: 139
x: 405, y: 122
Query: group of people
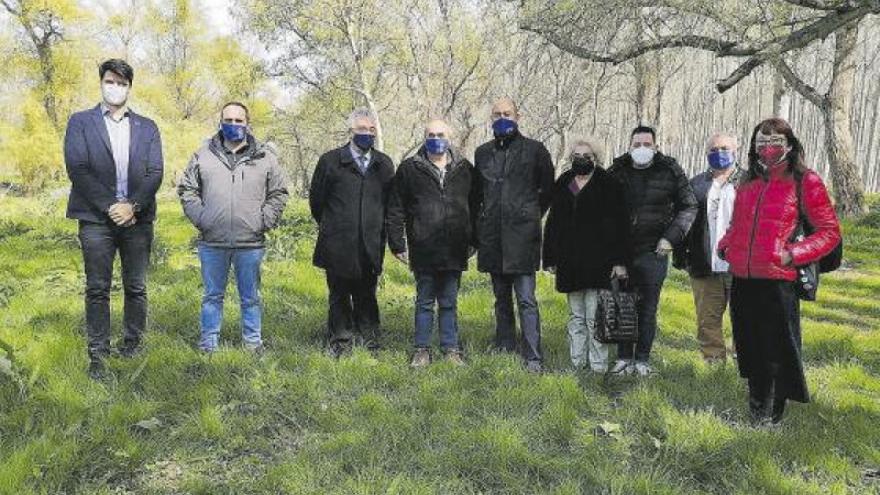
x: 733, y: 228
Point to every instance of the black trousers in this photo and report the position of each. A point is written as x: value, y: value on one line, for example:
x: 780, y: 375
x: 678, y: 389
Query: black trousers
x: 100, y: 242
x: 648, y: 272
x: 353, y: 309
x: 767, y: 333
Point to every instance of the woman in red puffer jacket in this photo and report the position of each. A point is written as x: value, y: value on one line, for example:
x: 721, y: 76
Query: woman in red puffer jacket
x: 759, y: 245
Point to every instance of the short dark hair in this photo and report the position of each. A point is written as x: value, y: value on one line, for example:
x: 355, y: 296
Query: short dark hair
x: 643, y: 129
x: 247, y: 113
x: 117, y: 66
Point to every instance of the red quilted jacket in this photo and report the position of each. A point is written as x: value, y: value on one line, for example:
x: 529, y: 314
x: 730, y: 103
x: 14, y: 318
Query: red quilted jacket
x: 765, y: 215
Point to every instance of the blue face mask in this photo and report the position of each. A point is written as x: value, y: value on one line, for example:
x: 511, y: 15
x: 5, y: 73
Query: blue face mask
x: 235, y: 133
x: 504, y: 127
x: 363, y: 141
x: 436, y: 146
x: 721, y: 159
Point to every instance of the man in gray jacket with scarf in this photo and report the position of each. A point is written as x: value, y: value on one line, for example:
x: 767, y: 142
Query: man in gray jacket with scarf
x: 233, y: 191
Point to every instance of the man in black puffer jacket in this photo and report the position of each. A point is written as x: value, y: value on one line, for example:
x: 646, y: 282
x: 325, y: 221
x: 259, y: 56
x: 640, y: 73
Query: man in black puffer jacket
x: 662, y: 207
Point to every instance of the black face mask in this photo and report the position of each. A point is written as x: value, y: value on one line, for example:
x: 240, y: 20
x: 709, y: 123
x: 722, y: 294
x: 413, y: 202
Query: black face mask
x: 582, y: 165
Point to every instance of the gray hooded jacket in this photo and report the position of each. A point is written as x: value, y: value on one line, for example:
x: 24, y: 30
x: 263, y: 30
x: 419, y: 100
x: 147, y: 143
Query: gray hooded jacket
x: 233, y: 204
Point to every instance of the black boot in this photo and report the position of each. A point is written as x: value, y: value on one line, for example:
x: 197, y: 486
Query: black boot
x: 97, y: 371
x: 757, y: 399
x: 777, y: 406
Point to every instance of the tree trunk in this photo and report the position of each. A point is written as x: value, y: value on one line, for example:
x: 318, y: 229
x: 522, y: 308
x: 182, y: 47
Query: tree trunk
x: 646, y: 82
x: 839, y: 143
x: 781, y: 98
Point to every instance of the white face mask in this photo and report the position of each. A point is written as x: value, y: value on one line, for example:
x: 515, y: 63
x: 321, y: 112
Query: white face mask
x: 114, y: 94
x: 642, y: 155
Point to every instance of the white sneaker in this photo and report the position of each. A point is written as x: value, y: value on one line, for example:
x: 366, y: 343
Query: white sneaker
x: 621, y: 367
x: 643, y: 369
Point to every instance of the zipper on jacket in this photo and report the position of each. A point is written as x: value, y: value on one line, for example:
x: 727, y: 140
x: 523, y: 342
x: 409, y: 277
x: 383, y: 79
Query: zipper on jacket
x: 231, y: 214
x: 755, y: 227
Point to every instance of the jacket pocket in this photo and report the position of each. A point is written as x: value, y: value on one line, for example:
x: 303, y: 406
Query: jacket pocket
x: 253, y: 182
x: 213, y: 225
x: 248, y: 221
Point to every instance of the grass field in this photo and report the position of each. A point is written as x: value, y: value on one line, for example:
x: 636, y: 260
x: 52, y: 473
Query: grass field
x: 295, y: 421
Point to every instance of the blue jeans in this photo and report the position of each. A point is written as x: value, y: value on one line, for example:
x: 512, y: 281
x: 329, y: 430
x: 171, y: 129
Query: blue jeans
x: 529, y: 318
x: 442, y: 288
x: 647, y: 276
x: 215, y: 271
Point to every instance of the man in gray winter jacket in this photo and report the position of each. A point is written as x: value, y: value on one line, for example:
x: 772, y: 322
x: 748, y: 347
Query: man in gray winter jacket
x: 233, y: 191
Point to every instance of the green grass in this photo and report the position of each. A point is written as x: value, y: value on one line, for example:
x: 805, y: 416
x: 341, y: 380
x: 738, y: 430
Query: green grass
x: 296, y: 421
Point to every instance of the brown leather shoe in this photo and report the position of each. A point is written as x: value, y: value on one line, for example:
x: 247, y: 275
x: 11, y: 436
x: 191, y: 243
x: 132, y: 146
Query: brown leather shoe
x: 421, y: 358
x: 454, y: 356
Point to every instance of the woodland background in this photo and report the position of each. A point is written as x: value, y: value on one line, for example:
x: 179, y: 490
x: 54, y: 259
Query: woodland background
x: 576, y: 69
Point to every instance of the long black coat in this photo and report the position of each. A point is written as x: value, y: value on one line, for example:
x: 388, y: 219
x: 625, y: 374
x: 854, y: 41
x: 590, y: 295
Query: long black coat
x: 513, y: 183
x: 660, y: 201
x: 586, y: 233
x: 350, y: 210
x: 435, y: 216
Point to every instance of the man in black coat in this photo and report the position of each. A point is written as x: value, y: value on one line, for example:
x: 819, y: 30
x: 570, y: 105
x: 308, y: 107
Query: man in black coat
x: 348, y: 196
x: 513, y: 184
x: 114, y: 162
x: 715, y: 191
x: 662, y: 207
x: 430, y: 203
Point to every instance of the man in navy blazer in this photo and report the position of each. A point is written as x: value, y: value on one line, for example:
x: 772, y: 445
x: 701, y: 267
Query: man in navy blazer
x: 114, y: 161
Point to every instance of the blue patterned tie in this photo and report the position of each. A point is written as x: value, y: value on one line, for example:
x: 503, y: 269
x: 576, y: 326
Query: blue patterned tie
x: 362, y: 163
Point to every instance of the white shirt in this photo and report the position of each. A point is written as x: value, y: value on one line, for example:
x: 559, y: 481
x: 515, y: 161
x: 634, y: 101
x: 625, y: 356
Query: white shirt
x: 119, y: 132
x: 719, y: 209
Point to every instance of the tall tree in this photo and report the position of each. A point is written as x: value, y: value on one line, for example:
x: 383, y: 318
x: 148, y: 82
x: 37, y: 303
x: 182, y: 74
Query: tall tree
x: 43, y: 25
x: 333, y: 47
x: 627, y: 29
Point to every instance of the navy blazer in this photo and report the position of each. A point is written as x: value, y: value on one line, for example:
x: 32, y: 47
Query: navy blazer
x: 92, y: 171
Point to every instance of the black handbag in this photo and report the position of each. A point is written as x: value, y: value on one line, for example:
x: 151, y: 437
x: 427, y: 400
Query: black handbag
x: 617, y: 319
x: 807, y: 283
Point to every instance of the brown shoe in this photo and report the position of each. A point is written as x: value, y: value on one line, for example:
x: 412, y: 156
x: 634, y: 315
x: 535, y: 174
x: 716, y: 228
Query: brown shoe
x: 421, y: 358
x: 454, y: 356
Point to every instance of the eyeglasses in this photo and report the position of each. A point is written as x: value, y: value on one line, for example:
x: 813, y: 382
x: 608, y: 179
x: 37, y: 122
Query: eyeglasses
x: 776, y: 140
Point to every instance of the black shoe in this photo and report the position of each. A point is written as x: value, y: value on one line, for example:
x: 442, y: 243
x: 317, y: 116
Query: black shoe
x: 97, y: 370
x: 374, y: 347
x: 129, y: 351
x: 534, y: 367
x: 777, y: 409
x: 339, y: 349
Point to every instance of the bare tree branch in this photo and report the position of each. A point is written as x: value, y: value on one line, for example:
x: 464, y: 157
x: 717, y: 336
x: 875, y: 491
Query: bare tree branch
x: 838, y: 14
x: 805, y: 90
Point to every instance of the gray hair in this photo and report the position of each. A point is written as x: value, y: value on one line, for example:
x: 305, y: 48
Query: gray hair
x: 592, y: 143
x: 719, y: 134
x: 360, y: 113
